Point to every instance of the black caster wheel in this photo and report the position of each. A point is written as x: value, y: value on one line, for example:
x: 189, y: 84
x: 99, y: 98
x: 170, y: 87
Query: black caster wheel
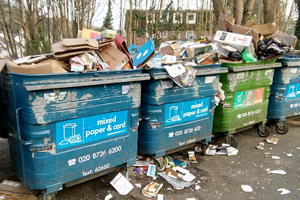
x: 282, y: 128
x: 160, y: 164
x: 204, y: 147
x: 263, y: 131
x: 232, y: 141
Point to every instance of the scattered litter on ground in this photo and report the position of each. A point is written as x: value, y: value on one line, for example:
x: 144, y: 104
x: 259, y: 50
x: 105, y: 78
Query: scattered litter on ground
x: 138, y: 185
x: 297, y: 147
x: 247, y: 188
x: 272, y: 140
x: 261, y: 145
x: 289, y: 154
x: 108, y: 197
x: 151, y: 189
x: 275, y: 157
x: 121, y: 184
x: 151, y: 170
x: 279, y: 171
x: 160, y: 197
x: 197, y: 187
x: 283, y: 191
x: 190, y: 199
x: 177, y: 184
x: 211, y: 151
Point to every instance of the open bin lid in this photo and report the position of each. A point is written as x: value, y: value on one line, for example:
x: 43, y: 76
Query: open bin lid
x: 33, y: 82
x: 160, y: 73
x: 241, y: 67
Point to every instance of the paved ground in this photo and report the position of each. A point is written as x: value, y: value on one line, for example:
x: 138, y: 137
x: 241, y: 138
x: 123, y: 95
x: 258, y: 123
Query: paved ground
x: 220, y: 177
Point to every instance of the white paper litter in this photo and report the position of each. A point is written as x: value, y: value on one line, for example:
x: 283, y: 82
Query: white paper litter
x: 273, y: 140
x: 121, y: 184
x: 211, y: 150
x: 275, y: 157
x: 138, y: 185
x: 160, y: 197
x: 297, y: 147
x: 279, y: 171
x: 283, y: 191
x: 231, y: 151
x: 190, y: 199
x: 177, y: 184
x: 108, y: 197
x: 247, y: 188
x: 222, y: 152
x: 197, y: 187
x: 289, y: 154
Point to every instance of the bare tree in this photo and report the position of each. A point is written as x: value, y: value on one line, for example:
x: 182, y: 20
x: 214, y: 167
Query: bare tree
x: 247, y: 10
x: 238, y: 11
x: 269, y: 16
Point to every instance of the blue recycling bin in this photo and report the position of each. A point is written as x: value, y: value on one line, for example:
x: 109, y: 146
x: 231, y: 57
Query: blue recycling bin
x: 174, y: 117
x: 65, y: 129
x: 284, y: 100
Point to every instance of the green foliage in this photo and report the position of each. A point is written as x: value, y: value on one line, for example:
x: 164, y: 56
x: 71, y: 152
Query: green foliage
x: 39, y: 44
x: 152, y: 25
x: 107, y: 23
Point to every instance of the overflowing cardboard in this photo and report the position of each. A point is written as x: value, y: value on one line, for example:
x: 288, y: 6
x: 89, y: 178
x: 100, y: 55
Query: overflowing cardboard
x: 284, y: 38
x: 264, y: 29
x: 203, y: 50
x: 225, y: 23
x: 44, y: 67
x: 12, y: 190
x: 247, y: 31
x: 113, y: 57
x: 88, y: 33
x: 172, y: 49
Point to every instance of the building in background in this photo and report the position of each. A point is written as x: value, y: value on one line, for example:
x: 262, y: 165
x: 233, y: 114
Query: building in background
x: 193, y: 23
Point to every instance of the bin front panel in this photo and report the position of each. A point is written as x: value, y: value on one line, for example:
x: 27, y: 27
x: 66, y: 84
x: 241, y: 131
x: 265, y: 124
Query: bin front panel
x: 62, y: 135
x: 173, y: 117
x: 284, y: 101
x: 241, y: 109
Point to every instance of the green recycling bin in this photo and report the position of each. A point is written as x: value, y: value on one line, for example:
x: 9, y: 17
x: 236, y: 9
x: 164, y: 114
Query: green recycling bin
x: 247, y: 88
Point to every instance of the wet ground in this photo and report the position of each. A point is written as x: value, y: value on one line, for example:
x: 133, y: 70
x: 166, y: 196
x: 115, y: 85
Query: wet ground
x: 220, y: 177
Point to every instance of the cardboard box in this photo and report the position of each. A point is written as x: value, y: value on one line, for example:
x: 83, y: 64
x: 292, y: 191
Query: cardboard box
x: 264, y: 29
x: 113, y: 57
x: 88, y: 33
x: 208, y: 58
x: 237, y: 41
x: 285, y: 38
x: 225, y: 23
x: 44, y: 67
x: 12, y: 190
x: 247, y: 31
x: 172, y: 49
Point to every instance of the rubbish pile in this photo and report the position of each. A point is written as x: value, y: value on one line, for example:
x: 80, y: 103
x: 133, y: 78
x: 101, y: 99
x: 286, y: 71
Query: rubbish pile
x: 91, y: 51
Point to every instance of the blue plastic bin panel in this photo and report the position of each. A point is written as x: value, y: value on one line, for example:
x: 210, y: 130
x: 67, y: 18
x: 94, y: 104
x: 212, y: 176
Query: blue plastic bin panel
x: 284, y: 100
x: 174, y: 117
x: 64, y: 127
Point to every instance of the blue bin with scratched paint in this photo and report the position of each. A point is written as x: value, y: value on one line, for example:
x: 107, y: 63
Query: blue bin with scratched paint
x: 173, y: 117
x: 65, y: 129
x: 284, y: 100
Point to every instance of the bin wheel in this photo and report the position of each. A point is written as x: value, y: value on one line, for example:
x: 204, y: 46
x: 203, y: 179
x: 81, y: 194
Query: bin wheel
x: 160, y: 164
x: 204, y: 147
x: 232, y: 141
x: 282, y: 128
x: 263, y: 131
x: 44, y: 196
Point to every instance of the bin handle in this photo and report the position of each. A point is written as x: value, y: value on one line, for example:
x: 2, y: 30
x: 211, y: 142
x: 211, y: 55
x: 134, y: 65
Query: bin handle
x: 254, y: 67
x: 18, y: 129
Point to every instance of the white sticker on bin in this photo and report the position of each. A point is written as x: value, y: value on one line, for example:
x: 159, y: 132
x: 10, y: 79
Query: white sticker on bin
x: 127, y: 88
x: 210, y: 79
x: 53, y: 97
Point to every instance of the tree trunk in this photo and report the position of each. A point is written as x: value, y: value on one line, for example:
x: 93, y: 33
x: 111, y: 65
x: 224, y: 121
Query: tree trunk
x: 297, y: 27
x: 289, y: 17
x: 218, y: 8
x: 269, y: 16
x: 247, y: 11
x: 238, y: 11
x: 129, y: 25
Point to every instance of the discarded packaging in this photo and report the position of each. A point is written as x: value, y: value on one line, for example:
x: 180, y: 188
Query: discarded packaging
x: 282, y: 172
x: 197, y: 187
x: 191, y: 155
x: 160, y: 197
x: 210, y: 150
x: 171, y: 49
x: 108, y: 197
x: 275, y: 157
x: 151, y: 170
x: 114, y: 58
x: 176, y: 183
x: 273, y: 140
x: 15, y: 190
x: 121, y: 184
x: 152, y: 189
x: 261, y: 145
x: 247, y: 188
x: 169, y: 161
x: 283, y: 191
